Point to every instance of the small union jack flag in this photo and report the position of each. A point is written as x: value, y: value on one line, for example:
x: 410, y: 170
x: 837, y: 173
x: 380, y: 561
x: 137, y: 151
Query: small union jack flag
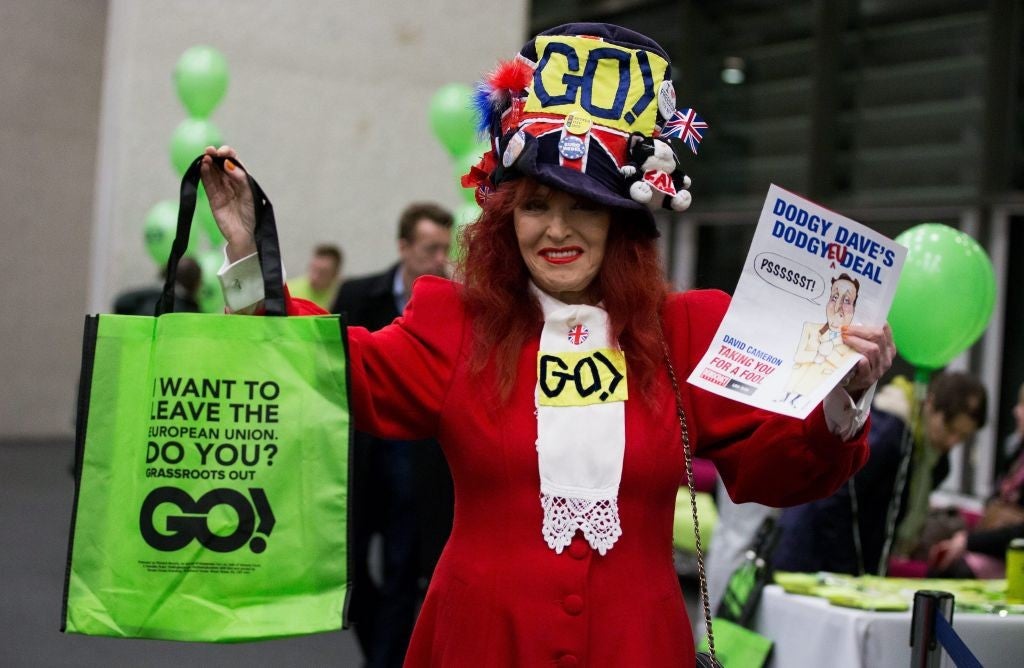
x: 578, y: 334
x: 686, y: 125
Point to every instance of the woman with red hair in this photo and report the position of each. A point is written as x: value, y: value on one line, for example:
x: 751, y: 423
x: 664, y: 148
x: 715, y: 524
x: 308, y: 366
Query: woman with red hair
x: 548, y: 373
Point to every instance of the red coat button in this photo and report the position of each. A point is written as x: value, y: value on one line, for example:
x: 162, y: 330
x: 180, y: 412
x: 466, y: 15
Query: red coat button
x: 568, y: 661
x: 573, y: 604
x: 578, y: 548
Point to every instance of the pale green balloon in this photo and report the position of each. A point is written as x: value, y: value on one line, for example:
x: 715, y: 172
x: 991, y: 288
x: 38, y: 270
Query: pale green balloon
x: 190, y: 139
x: 201, y: 79
x: 466, y: 214
x: 211, y: 297
x: 203, y: 222
x: 945, y: 295
x: 453, y: 118
x: 159, y: 229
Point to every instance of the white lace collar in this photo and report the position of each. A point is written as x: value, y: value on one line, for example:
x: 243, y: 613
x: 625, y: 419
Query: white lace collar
x: 581, y: 430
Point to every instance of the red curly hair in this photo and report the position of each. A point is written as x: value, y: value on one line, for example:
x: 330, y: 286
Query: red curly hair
x: 631, y: 283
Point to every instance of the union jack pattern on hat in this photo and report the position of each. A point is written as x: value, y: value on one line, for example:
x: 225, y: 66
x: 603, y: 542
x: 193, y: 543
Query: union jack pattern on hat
x: 583, y: 108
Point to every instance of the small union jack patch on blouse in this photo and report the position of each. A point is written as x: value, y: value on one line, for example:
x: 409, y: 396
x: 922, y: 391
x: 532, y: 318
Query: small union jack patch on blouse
x: 578, y: 334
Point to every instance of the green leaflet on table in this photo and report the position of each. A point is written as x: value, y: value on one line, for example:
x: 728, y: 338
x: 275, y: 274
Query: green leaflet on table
x: 870, y: 592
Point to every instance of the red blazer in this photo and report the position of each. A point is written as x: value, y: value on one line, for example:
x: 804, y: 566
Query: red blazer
x: 500, y: 596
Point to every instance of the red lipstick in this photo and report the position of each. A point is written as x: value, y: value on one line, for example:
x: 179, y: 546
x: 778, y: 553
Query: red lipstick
x: 563, y: 255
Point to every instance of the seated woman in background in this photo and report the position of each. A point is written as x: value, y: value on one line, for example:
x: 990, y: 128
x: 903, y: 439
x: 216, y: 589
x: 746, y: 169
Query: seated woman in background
x: 981, y: 552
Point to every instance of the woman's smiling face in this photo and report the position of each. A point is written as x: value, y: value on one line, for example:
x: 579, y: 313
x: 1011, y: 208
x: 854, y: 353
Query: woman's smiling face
x: 562, y: 239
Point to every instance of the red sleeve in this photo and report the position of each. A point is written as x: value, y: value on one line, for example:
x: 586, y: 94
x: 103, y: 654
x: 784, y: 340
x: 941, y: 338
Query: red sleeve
x: 400, y: 375
x: 761, y: 456
x: 302, y: 307
x: 294, y: 306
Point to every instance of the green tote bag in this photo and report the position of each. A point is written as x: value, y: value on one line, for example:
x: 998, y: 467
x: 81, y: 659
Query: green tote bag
x: 212, y: 464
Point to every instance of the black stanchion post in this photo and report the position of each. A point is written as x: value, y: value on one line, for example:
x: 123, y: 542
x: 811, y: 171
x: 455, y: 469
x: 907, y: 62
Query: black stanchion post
x: 924, y: 646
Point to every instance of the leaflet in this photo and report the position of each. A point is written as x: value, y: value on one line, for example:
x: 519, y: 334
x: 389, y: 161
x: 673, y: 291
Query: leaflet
x: 809, y: 271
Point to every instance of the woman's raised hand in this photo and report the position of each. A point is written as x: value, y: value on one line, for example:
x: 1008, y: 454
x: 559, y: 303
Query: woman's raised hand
x: 878, y: 349
x: 230, y: 200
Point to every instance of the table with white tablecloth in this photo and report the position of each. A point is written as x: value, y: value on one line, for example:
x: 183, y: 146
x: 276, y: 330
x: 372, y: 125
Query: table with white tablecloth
x: 810, y: 631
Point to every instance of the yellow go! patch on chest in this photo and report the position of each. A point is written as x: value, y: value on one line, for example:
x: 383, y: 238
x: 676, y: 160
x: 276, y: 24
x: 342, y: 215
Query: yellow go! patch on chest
x: 581, y: 378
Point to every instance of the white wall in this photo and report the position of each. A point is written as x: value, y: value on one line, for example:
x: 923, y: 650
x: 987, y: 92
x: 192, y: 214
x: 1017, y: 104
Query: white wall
x: 327, y: 104
x: 50, y: 77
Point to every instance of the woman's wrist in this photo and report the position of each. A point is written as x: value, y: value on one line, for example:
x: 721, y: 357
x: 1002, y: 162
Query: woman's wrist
x: 237, y: 249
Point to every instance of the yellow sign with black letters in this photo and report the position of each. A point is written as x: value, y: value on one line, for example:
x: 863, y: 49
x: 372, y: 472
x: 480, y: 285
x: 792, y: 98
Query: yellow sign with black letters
x: 616, y: 85
x: 581, y: 378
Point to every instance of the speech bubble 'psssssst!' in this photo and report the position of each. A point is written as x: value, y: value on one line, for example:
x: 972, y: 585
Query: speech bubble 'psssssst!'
x: 793, y: 277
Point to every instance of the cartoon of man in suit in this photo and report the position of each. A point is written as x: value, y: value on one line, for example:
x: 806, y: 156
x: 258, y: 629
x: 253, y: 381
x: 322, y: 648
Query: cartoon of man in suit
x: 821, y: 350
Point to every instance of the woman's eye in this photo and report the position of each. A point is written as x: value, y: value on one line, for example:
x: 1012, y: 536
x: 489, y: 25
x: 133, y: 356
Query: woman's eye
x: 534, y: 205
x: 586, y: 205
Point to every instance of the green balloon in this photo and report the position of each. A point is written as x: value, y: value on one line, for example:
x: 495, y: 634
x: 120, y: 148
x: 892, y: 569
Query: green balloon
x: 945, y: 295
x: 211, y: 297
x: 453, y: 119
x: 201, y: 79
x: 203, y: 222
x: 190, y: 139
x: 466, y: 214
x: 159, y: 228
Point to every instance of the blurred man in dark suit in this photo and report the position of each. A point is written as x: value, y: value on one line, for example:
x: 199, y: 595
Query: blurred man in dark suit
x: 142, y: 301
x: 402, y: 490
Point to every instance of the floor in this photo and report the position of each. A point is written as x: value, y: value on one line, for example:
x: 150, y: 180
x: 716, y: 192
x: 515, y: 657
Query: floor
x: 36, y: 491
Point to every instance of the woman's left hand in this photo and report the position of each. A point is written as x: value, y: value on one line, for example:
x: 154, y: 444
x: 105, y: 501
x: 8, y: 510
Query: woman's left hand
x: 878, y: 350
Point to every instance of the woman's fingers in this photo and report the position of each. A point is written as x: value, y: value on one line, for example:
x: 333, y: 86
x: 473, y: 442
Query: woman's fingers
x: 227, y: 184
x: 876, y: 346
x: 227, y: 189
x: 224, y: 151
x: 231, y: 165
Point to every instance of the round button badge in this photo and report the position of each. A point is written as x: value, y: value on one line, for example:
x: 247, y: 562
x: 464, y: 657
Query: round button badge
x: 667, y: 99
x: 514, y: 148
x: 572, y: 147
x: 578, y: 122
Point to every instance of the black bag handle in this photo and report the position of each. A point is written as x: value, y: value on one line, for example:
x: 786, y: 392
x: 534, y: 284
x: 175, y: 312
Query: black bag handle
x: 267, y: 247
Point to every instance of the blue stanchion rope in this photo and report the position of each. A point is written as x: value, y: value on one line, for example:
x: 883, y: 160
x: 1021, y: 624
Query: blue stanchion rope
x: 954, y: 646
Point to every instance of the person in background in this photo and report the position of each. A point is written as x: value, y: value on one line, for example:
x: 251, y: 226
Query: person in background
x: 981, y: 551
x: 403, y: 490
x: 561, y: 548
x: 424, y: 240
x: 735, y: 531
x: 320, y: 282
x: 846, y: 532
x: 142, y: 301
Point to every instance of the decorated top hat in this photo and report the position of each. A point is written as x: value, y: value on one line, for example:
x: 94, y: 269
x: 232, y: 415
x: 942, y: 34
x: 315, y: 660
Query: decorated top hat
x: 590, y: 109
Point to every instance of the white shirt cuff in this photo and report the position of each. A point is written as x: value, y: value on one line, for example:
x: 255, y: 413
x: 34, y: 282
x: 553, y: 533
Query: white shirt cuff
x: 242, y: 284
x: 844, y: 417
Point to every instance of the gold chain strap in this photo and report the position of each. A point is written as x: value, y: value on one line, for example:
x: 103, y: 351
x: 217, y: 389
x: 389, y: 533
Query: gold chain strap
x: 688, y: 458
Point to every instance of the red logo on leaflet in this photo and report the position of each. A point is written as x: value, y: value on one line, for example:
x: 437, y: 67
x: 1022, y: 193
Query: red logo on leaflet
x: 714, y: 377
x: 578, y: 335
